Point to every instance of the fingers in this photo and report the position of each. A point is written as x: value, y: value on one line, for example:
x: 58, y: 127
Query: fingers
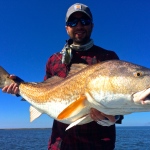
x: 97, y: 115
x: 15, y: 89
x: 105, y: 123
x: 11, y: 89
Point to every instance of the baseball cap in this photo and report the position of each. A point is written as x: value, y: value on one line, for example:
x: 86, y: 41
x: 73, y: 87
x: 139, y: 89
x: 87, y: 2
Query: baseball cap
x: 78, y: 7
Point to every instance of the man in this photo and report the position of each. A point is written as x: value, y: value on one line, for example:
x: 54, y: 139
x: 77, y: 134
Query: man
x: 99, y: 134
x: 80, y: 49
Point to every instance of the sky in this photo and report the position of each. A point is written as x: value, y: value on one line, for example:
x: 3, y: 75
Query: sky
x: 32, y: 30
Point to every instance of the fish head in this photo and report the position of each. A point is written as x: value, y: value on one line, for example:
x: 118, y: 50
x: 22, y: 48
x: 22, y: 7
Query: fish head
x: 121, y: 80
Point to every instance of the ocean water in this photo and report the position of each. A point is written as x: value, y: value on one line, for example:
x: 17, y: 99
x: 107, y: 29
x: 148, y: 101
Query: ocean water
x: 128, y: 138
x: 133, y: 138
x: 24, y: 139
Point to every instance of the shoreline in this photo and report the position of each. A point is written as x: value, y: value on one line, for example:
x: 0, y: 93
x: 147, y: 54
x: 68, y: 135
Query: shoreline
x: 51, y: 128
x: 24, y: 128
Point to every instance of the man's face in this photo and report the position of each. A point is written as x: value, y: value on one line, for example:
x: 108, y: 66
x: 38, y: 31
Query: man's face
x: 79, y: 33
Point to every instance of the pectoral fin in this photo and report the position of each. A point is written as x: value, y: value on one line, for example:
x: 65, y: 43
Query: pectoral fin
x: 34, y: 113
x: 84, y: 119
x: 73, y: 108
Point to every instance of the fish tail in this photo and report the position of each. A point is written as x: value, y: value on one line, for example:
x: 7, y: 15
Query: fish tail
x: 4, y: 78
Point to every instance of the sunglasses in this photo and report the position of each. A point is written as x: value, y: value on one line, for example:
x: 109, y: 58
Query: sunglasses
x: 74, y: 22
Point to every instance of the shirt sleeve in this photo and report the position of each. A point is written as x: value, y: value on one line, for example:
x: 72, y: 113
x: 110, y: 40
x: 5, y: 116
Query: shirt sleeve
x: 48, y: 68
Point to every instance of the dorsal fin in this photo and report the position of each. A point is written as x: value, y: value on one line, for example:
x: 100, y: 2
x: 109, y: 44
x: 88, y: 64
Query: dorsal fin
x: 51, y: 81
x: 55, y: 79
x: 76, y: 68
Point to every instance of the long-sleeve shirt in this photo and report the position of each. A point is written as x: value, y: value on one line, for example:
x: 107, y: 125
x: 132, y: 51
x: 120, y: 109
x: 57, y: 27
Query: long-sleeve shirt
x: 81, y: 137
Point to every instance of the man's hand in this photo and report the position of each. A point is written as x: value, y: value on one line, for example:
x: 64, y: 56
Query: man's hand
x: 12, y: 88
x: 101, y: 118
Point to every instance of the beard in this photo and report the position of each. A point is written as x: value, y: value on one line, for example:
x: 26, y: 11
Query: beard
x: 81, y: 41
x: 80, y: 34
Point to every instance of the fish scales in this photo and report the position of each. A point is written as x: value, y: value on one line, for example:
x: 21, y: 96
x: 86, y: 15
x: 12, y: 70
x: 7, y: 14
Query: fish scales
x: 72, y: 86
x: 113, y: 87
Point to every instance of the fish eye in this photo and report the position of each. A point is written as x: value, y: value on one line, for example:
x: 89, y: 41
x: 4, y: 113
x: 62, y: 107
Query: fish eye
x: 138, y: 74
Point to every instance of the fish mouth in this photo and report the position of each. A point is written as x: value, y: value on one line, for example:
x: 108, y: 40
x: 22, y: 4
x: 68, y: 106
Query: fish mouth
x: 142, y: 97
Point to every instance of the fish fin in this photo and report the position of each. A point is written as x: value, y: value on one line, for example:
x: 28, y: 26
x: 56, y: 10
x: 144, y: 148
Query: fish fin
x: 55, y: 79
x: 85, y: 119
x: 34, y: 113
x: 22, y: 99
x: 73, y: 108
x: 4, y: 78
x: 51, y: 81
x: 3, y: 71
x: 76, y: 68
